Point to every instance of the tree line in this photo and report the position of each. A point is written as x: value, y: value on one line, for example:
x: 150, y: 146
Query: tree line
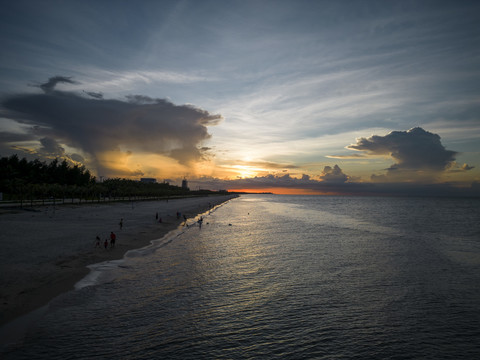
x: 37, y: 172
x: 22, y: 180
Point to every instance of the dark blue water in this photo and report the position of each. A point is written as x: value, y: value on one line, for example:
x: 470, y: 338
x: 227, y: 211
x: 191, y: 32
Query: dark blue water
x: 297, y: 277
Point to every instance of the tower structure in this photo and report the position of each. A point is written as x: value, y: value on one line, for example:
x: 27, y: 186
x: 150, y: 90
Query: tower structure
x: 185, y: 184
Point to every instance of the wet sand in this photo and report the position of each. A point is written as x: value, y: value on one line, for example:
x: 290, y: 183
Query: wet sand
x: 45, y: 250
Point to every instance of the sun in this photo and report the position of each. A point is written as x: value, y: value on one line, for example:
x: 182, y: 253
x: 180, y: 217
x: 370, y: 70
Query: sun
x: 244, y: 171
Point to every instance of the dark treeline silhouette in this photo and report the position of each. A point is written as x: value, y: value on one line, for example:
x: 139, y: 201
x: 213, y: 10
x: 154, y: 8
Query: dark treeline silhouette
x: 37, y: 172
x: 35, y: 181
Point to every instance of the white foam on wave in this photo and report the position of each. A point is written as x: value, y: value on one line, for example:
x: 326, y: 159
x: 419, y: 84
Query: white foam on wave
x: 98, y: 273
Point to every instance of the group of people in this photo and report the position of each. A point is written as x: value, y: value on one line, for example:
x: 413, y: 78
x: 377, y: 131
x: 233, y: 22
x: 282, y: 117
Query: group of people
x: 179, y: 216
x: 113, y: 238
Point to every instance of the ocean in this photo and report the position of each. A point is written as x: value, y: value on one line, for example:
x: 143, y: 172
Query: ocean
x: 287, y: 277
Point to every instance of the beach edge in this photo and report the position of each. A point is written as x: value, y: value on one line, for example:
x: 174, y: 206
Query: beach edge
x: 68, y: 271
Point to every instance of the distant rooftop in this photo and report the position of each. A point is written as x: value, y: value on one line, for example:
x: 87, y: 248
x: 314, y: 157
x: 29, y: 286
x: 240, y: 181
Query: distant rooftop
x: 148, y: 180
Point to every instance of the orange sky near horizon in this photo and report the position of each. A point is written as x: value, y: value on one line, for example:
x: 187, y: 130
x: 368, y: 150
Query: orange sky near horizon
x: 285, y: 191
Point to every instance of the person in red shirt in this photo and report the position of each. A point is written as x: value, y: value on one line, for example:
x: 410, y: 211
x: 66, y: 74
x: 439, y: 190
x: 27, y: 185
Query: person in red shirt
x: 113, y: 237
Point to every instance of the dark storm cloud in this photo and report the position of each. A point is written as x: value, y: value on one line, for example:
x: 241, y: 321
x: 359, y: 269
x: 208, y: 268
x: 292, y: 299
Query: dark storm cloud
x: 77, y: 158
x: 94, y: 94
x: 14, y: 142
x: 95, y: 125
x: 51, y: 147
x: 414, y: 150
x: 9, y: 137
x: 53, y: 81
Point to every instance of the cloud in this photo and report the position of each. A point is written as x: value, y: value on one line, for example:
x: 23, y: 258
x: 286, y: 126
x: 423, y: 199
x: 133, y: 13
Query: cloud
x: 352, y: 156
x: 331, y: 179
x: 269, y: 165
x: 53, y: 81
x: 96, y: 95
x: 260, y: 182
x: 418, y: 153
x: 51, y: 148
x: 95, y: 125
x: 333, y: 175
x: 77, y: 157
x: 261, y: 164
x: 466, y: 167
x: 278, y: 184
x: 455, y: 168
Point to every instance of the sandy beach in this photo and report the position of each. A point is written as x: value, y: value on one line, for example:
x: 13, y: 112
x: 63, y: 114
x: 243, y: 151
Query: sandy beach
x: 45, y: 250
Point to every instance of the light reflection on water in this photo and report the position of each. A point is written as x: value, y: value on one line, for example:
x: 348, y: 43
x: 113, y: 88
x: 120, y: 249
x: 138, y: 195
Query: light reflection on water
x: 289, y: 277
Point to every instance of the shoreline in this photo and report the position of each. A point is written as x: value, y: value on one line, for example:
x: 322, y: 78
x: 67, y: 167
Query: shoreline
x: 48, y: 250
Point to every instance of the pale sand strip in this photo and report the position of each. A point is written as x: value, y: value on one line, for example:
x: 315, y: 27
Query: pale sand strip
x: 44, y: 252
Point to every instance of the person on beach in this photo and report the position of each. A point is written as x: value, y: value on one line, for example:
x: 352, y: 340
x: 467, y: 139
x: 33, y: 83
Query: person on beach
x: 113, y: 237
x: 156, y: 216
x: 105, y: 244
x: 97, y: 241
x: 121, y: 223
x: 184, y: 218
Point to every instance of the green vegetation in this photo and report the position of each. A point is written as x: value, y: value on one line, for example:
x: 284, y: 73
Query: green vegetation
x: 37, y: 182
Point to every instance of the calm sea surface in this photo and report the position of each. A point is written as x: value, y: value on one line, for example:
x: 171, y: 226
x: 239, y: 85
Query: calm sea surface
x: 294, y: 277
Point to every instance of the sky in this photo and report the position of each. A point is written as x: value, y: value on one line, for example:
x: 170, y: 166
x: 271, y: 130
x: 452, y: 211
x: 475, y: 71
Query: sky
x: 306, y: 97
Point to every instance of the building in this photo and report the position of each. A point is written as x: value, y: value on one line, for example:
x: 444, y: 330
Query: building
x: 185, y: 184
x: 148, y: 180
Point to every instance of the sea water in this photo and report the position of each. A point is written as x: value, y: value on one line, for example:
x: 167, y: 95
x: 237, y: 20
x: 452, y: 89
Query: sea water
x: 294, y: 277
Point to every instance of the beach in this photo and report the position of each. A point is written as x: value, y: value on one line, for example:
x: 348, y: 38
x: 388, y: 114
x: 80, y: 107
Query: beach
x: 46, y: 250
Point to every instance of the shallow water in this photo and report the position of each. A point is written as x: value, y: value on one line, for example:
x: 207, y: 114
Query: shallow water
x: 284, y: 277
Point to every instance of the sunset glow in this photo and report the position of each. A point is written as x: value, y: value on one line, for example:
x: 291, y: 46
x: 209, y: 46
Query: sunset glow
x: 290, y: 96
